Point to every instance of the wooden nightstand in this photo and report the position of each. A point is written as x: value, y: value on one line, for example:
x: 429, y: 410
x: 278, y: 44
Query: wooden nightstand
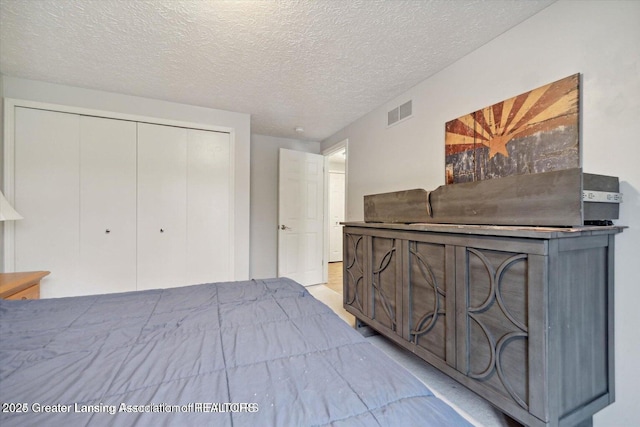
x: 21, y: 285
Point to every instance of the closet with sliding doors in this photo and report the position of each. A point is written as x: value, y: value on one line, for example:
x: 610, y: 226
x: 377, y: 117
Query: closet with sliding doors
x: 115, y: 205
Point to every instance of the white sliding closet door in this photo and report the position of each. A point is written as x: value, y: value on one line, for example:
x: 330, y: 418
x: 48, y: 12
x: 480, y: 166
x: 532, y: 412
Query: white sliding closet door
x: 47, y: 171
x: 184, y: 201
x: 208, y: 207
x: 162, y: 201
x: 115, y: 205
x: 107, y: 205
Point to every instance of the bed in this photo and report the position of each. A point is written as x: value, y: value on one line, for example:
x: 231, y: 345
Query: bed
x: 259, y: 352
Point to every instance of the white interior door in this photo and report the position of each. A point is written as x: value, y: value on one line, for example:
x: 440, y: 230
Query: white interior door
x: 336, y: 215
x: 162, y: 206
x: 300, y: 214
x: 107, y: 205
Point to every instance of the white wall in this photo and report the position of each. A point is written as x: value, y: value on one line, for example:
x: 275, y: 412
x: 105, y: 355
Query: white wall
x: 1, y: 167
x: 599, y: 39
x: 105, y: 101
x: 264, y: 200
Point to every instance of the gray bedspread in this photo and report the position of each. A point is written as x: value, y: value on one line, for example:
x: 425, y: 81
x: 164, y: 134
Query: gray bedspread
x: 254, y: 353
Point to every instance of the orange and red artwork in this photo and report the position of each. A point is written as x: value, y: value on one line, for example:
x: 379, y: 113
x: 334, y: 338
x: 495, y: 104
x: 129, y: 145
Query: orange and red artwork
x: 537, y: 131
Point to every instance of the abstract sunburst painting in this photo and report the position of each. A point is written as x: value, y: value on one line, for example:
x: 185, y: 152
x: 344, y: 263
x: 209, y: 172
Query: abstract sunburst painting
x: 537, y: 131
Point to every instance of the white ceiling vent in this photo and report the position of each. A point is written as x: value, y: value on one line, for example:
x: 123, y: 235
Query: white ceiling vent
x: 400, y: 113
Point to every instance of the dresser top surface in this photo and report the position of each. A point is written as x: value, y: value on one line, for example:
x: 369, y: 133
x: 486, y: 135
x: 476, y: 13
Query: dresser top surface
x: 15, y: 282
x: 495, y: 230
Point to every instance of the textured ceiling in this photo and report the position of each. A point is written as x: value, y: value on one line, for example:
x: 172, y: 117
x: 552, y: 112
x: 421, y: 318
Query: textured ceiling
x: 319, y: 64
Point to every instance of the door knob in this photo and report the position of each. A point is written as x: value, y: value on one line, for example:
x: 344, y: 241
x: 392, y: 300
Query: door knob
x: 284, y: 227
x: 107, y: 231
x: 162, y: 230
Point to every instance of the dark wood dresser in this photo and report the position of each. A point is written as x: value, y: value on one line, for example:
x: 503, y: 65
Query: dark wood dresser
x: 523, y: 316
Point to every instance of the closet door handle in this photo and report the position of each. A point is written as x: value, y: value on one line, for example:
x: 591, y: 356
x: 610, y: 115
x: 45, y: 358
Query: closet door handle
x: 107, y: 231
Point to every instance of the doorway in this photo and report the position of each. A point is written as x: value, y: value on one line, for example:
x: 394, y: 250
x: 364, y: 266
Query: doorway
x: 335, y: 171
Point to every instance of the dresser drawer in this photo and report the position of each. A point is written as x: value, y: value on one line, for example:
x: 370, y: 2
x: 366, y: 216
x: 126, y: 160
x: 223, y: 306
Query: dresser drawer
x: 32, y: 292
